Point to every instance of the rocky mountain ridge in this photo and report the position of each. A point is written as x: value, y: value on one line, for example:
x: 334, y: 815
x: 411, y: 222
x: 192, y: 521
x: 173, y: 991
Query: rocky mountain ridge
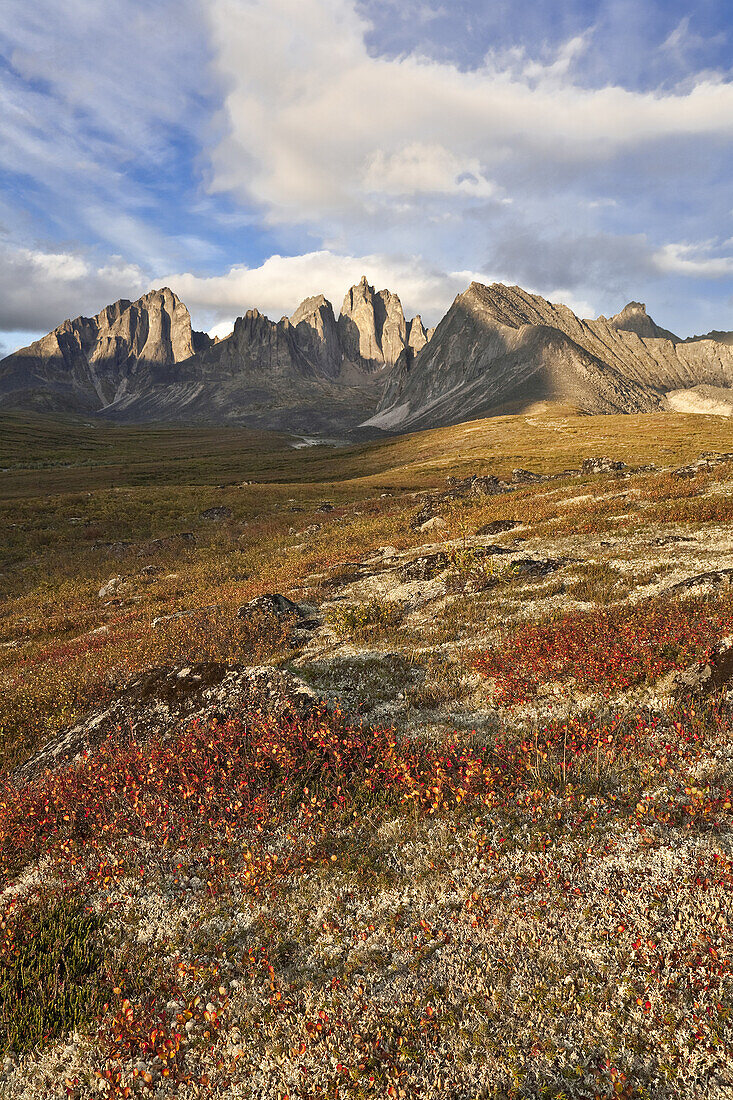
x: 497, y: 349
x: 500, y: 347
x: 142, y: 361
x: 86, y: 363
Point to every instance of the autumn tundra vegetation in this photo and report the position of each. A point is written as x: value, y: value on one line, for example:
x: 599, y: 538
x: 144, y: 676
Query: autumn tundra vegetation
x: 402, y: 769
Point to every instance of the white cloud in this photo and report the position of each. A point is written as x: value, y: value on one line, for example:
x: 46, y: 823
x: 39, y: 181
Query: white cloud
x: 222, y: 330
x: 421, y: 168
x: 93, y: 103
x: 279, y: 284
x: 681, y: 40
x: 313, y: 120
x: 39, y: 290
x: 692, y: 260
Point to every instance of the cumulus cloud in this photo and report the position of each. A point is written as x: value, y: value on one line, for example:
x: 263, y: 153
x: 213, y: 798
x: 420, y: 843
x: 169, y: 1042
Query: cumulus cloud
x: 39, y: 290
x: 277, y: 286
x: 184, y: 136
x: 693, y: 260
x: 314, y: 121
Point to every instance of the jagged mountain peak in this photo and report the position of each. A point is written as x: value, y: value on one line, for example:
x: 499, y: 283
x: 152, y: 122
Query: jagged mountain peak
x: 497, y: 348
x: 317, y: 303
x: 372, y: 326
x: 501, y: 347
x: 511, y: 306
x: 86, y: 363
x: 634, y: 318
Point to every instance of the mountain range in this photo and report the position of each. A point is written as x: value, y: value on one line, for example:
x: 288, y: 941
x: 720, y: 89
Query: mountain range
x: 497, y: 349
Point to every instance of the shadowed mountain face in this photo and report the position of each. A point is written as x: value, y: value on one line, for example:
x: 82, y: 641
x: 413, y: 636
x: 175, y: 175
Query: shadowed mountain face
x: 86, y: 364
x: 499, y: 347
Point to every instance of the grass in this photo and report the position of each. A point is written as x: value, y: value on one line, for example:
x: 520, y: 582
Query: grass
x: 366, y: 621
x: 318, y: 906
x: 125, y: 457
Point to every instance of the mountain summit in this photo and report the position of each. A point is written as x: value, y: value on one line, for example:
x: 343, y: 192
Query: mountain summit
x: 86, y: 364
x: 500, y: 348
x: 141, y: 361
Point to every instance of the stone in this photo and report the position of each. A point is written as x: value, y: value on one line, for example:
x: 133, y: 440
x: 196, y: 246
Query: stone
x: 497, y: 526
x: 425, y: 568
x: 475, y: 485
x: 522, y: 477
x: 712, y: 579
x: 669, y: 540
x: 159, y: 700
x: 170, y: 542
x: 112, y: 587
x: 712, y: 673
x: 434, y: 524
x: 273, y: 605
x: 533, y: 567
x: 602, y: 464
x: 218, y: 512
x: 707, y: 461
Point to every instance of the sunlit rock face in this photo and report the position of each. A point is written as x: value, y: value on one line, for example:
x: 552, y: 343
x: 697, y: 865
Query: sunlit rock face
x: 500, y: 348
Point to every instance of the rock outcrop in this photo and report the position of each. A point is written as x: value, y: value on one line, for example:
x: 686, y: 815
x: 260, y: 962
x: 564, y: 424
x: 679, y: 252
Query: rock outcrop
x: 158, y: 701
x: 500, y: 348
x: 634, y: 318
x: 417, y: 337
x: 317, y: 336
x: 372, y: 326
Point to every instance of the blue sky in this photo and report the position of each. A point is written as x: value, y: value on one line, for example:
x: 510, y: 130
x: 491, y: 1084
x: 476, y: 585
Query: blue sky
x: 252, y: 152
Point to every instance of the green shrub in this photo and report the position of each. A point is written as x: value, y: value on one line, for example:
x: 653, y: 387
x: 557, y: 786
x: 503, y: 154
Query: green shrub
x: 366, y: 619
x: 51, y: 955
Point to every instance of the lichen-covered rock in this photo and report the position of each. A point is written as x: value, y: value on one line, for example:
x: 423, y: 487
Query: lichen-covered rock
x: 710, y: 674
x: 159, y: 699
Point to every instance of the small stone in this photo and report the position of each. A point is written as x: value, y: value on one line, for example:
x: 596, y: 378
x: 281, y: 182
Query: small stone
x: 111, y: 588
x: 218, y: 513
x: 433, y: 524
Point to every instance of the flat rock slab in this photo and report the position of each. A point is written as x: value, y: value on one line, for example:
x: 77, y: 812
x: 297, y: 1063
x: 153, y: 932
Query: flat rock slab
x: 713, y: 579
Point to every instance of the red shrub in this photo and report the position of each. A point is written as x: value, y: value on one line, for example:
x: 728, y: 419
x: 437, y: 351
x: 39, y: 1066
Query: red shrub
x: 606, y: 650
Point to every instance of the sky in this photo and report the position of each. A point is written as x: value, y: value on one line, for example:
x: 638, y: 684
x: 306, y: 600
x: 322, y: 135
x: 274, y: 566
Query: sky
x: 254, y: 152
